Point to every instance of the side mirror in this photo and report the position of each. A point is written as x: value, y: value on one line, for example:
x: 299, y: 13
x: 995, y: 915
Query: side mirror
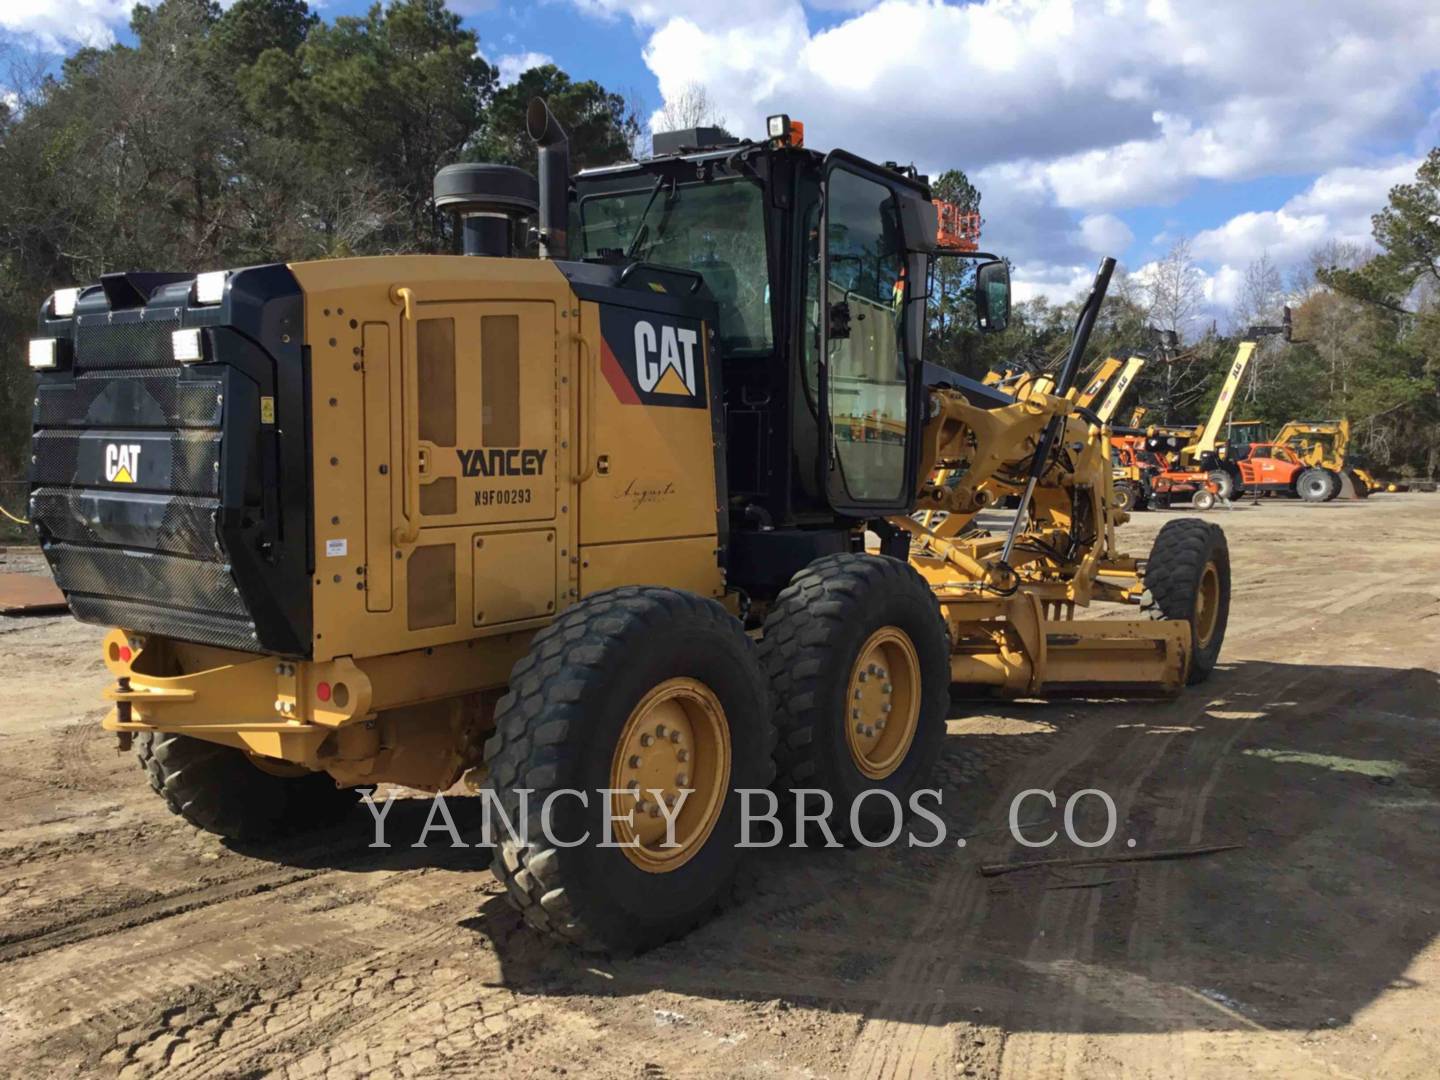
x: 992, y: 296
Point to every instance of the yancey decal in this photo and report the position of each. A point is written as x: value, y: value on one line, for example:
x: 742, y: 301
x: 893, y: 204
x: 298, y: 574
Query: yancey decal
x: 487, y: 462
x: 122, y: 462
x: 653, y: 359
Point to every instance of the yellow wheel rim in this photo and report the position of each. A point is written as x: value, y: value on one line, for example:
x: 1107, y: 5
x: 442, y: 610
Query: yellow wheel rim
x: 1207, y: 605
x: 676, y: 740
x: 882, y: 702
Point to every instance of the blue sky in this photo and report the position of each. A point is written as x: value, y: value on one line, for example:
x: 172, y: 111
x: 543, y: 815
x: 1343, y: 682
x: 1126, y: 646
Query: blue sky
x: 1103, y: 127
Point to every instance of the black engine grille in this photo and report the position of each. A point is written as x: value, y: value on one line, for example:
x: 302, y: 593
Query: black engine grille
x: 174, y: 499
x: 144, y: 551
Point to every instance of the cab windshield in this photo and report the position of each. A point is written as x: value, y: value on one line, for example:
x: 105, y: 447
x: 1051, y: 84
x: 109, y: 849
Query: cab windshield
x: 716, y: 229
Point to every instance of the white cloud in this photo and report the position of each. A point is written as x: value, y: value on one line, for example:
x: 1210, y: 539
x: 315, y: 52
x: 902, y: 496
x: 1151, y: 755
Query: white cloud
x: 1105, y: 234
x: 1056, y: 283
x: 58, y: 25
x: 1065, y: 113
x: 1337, y: 206
x: 512, y: 65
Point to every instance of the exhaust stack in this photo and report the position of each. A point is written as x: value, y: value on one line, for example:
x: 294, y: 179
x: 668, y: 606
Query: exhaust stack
x: 554, y: 152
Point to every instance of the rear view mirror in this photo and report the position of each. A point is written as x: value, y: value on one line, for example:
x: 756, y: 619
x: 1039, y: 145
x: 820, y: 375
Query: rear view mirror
x: 992, y: 296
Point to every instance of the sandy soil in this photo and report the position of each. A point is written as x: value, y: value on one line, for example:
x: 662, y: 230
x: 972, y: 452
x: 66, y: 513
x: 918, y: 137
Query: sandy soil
x: 131, y: 945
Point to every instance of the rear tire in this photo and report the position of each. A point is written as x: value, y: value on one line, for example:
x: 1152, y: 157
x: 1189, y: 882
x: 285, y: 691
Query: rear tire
x: 838, y: 617
x: 1203, y: 500
x: 1126, y: 497
x: 573, y: 716
x: 1314, y: 486
x: 1188, y: 579
x: 219, y: 789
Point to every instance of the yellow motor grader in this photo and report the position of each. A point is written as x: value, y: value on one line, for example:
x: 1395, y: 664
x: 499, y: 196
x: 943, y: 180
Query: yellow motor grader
x: 588, y: 528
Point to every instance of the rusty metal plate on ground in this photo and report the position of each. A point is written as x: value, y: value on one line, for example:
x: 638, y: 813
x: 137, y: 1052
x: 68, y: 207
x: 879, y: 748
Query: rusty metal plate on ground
x: 30, y: 594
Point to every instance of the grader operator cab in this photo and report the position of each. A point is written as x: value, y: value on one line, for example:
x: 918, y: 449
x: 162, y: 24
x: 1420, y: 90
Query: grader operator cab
x: 590, y: 528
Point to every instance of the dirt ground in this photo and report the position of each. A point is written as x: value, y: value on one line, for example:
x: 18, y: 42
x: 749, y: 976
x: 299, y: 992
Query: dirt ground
x: 131, y: 945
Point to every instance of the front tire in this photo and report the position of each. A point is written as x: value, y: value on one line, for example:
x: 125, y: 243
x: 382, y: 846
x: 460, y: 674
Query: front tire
x: 858, y: 659
x: 1224, y: 483
x: 632, y: 688
x: 1314, y: 486
x: 1203, y: 500
x: 1126, y: 497
x: 1188, y: 579
x: 221, y: 790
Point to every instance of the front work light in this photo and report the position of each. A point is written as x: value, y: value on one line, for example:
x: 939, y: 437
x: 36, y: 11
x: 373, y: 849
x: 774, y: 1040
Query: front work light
x: 210, y: 288
x: 187, y: 345
x: 62, y: 304
x: 785, y: 132
x: 44, y: 353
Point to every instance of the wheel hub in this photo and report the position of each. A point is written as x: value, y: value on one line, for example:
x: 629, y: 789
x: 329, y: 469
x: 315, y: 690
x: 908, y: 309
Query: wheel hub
x: 882, y: 702
x: 1207, y: 605
x: 674, y: 750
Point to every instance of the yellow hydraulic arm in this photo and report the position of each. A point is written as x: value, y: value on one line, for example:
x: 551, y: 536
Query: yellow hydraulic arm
x: 1117, y: 392
x: 1095, y: 385
x: 1211, y: 431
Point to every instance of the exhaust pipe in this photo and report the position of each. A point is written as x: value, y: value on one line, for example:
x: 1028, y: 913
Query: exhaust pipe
x: 554, y: 152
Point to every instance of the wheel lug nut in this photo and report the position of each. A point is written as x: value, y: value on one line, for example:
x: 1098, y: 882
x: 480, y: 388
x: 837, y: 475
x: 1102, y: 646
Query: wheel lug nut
x: 682, y: 755
x: 858, y: 695
x: 886, y: 707
x: 654, y: 810
x: 889, y: 689
x: 864, y: 675
x: 634, y: 761
x: 859, y: 729
x: 647, y: 739
x: 880, y: 724
x: 854, y: 714
x: 675, y: 736
x: 682, y: 779
x: 660, y: 730
x: 875, y: 670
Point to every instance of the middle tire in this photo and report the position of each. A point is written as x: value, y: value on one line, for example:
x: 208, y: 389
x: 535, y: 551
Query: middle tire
x: 858, y: 659
x: 641, y: 689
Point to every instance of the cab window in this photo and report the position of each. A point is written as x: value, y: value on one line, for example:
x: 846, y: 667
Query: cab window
x: 864, y: 303
x: 716, y: 229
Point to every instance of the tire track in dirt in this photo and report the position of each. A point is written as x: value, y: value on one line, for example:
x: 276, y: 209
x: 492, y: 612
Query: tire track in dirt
x: 1182, y: 822
x: 914, y: 1041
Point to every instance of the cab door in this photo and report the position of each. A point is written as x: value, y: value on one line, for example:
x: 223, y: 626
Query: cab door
x: 868, y: 378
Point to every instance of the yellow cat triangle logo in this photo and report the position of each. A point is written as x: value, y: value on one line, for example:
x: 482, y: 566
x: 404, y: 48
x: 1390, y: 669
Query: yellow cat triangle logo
x: 672, y: 383
x: 122, y: 460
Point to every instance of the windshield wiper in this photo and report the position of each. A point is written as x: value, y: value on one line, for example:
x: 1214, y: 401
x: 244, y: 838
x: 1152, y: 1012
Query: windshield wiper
x: 641, y: 228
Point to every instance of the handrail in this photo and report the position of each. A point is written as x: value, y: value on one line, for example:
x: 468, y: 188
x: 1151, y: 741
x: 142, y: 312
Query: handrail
x: 585, y: 416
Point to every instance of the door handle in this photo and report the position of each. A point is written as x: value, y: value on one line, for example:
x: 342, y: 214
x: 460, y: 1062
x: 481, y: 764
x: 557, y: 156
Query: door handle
x: 408, y: 529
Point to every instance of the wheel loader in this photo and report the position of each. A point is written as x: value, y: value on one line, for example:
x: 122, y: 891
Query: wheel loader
x: 620, y: 532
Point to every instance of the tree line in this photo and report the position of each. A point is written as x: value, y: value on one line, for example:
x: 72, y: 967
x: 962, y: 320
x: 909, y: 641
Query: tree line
x: 255, y: 133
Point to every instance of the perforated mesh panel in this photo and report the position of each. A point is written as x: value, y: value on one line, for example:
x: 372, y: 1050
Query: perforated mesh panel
x: 191, y: 465
x: 179, y: 525
x: 121, y: 574
x: 145, y: 618
x: 125, y: 344
x: 154, y: 399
